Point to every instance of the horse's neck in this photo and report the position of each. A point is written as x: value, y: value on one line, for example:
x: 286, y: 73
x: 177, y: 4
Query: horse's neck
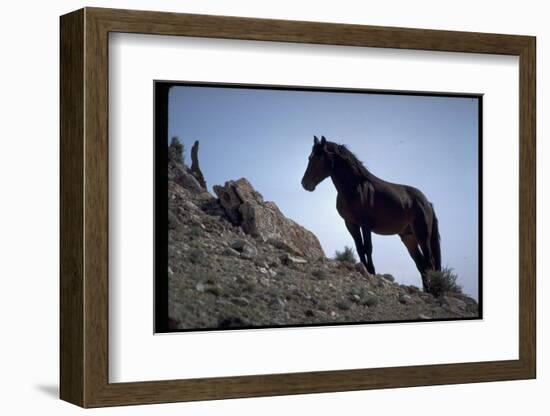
x: 345, y: 181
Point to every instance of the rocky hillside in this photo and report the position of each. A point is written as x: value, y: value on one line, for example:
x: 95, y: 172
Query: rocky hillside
x: 236, y: 261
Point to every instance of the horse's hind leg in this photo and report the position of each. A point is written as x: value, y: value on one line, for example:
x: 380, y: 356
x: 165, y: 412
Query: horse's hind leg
x: 355, y: 232
x: 411, y: 243
x: 422, y: 232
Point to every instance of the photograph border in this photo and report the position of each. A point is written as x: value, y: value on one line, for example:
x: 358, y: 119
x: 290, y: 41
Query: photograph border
x: 161, y: 90
x: 84, y: 216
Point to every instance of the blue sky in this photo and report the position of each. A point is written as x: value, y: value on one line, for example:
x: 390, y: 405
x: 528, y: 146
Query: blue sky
x: 266, y: 136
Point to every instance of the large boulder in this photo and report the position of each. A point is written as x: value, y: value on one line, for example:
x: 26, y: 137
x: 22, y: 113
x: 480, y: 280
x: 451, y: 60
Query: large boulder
x: 244, y: 206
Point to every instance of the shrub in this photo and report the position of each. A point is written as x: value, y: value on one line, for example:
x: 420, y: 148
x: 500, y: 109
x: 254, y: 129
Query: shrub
x: 442, y: 282
x: 175, y: 150
x: 347, y: 255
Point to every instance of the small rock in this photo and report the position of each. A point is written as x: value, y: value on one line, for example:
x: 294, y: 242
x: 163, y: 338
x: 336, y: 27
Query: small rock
x: 283, y: 245
x: 263, y: 270
x: 272, y: 273
x: 241, y: 301
x: 355, y: 298
x: 239, y: 244
x: 191, y: 206
x: 170, y: 271
x: 228, y: 251
x: 276, y: 303
x: 405, y: 299
x: 388, y: 277
x: 343, y: 304
x: 290, y: 260
x: 249, y: 252
x: 200, y: 287
x: 423, y: 317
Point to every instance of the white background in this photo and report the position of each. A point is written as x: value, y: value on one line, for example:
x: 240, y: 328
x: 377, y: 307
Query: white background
x: 29, y: 221
x: 159, y: 357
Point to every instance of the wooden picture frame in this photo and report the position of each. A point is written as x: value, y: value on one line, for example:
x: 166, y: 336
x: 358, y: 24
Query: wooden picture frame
x: 84, y: 207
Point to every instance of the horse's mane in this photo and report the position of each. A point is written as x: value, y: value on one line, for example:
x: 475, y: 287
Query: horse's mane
x: 357, y: 167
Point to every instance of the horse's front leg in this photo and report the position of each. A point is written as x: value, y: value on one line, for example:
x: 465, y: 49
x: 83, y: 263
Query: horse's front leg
x: 367, y: 243
x: 355, y: 232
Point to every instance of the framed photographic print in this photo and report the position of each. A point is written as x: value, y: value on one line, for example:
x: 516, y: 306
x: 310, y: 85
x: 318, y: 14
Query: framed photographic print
x: 304, y: 198
x: 228, y: 259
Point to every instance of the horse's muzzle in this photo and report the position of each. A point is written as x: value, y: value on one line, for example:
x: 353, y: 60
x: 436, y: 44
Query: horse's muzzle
x: 308, y: 187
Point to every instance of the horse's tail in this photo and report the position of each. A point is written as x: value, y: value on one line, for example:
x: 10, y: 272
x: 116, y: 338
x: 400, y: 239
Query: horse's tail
x: 436, y: 241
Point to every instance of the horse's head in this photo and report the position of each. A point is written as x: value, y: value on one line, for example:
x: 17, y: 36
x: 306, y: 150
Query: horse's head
x: 320, y: 165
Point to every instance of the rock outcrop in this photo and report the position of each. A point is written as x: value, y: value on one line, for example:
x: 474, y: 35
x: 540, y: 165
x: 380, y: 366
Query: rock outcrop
x: 246, y: 208
x: 195, y: 168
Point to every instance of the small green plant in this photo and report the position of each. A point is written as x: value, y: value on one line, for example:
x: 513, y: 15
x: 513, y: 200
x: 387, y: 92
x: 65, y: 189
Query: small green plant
x: 176, y: 150
x: 347, y: 255
x: 442, y: 282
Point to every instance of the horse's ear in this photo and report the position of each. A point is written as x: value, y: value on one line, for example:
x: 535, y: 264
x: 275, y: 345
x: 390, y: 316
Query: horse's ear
x: 323, y: 140
x: 315, y: 140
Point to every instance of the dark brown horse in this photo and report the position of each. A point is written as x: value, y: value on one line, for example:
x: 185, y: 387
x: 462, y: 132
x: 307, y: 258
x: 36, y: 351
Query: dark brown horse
x: 369, y: 204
